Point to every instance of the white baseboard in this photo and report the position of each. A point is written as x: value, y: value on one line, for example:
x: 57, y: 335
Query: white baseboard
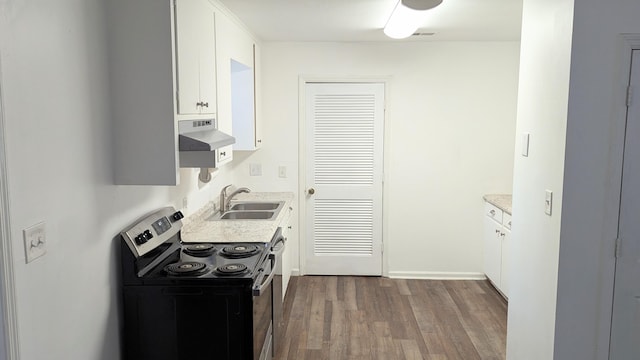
x: 436, y: 275
x: 425, y: 275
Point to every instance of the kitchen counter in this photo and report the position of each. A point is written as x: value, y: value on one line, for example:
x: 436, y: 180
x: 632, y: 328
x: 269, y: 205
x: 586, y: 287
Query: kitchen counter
x: 196, y: 228
x: 502, y: 201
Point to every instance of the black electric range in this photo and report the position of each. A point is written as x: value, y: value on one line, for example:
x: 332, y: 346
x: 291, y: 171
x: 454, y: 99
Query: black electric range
x: 194, y: 301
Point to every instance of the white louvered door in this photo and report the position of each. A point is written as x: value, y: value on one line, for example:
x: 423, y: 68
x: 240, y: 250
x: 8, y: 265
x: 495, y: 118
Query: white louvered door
x: 344, y: 123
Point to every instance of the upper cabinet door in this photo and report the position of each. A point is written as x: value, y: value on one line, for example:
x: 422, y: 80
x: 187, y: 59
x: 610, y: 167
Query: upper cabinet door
x: 257, y: 74
x: 237, y: 82
x: 196, y: 57
x: 208, y: 62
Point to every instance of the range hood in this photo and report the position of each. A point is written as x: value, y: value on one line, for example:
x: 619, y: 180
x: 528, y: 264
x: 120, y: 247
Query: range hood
x: 197, y: 141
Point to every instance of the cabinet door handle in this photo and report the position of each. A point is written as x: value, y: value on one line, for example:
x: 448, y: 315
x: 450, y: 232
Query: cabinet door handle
x: 497, y: 231
x: 205, y: 104
x: 492, y: 213
x: 224, y: 153
x: 311, y: 191
x: 502, y: 234
x: 259, y: 141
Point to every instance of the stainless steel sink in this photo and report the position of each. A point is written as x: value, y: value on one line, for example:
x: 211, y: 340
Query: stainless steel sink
x: 247, y: 215
x: 251, y: 210
x: 256, y: 206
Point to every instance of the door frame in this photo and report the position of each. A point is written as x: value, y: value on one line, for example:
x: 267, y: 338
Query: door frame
x: 302, y: 163
x: 8, y: 313
x: 627, y: 44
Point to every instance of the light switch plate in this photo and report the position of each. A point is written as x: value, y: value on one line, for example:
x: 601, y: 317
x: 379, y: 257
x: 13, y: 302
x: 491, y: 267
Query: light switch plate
x: 255, y: 170
x: 525, y: 144
x: 282, y: 171
x: 35, y: 242
x: 548, y: 201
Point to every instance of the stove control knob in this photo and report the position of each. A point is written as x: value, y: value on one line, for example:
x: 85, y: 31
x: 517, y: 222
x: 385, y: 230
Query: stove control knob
x: 177, y: 216
x: 141, y: 239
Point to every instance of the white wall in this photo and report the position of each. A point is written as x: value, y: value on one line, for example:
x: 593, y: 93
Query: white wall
x: 542, y: 112
x: 450, y: 121
x: 571, y: 100
x: 595, y: 129
x: 54, y: 82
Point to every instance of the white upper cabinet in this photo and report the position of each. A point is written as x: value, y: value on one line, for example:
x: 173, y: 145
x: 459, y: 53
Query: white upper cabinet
x: 257, y: 68
x: 142, y: 91
x: 243, y: 105
x: 196, y: 57
x: 169, y: 60
x: 237, y: 89
x: 246, y: 105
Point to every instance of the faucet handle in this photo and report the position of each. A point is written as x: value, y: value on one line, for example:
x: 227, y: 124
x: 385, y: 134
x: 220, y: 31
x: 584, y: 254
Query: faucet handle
x: 223, y: 198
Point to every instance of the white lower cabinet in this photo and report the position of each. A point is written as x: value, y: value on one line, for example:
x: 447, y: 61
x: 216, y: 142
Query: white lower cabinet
x: 497, y: 238
x: 286, y: 255
x: 492, y: 250
x: 506, y: 243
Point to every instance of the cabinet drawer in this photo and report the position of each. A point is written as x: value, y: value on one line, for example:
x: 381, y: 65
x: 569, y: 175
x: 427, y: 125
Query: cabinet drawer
x: 225, y: 154
x: 493, y: 212
x: 506, y: 220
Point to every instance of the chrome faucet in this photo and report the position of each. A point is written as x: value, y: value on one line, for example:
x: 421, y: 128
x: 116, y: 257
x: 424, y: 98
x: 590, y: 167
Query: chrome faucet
x: 223, y: 197
x: 230, y: 197
x: 226, y: 199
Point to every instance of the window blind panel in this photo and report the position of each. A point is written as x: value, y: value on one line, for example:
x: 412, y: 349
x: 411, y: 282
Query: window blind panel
x: 343, y: 227
x: 344, y: 139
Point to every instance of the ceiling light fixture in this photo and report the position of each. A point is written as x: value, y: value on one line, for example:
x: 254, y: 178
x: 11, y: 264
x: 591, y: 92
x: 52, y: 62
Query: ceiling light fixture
x: 407, y: 17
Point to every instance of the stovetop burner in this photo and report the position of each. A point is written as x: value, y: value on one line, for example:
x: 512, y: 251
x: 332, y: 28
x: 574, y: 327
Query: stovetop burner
x: 239, y: 251
x: 231, y: 269
x: 186, y: 268
x: 199, y: 250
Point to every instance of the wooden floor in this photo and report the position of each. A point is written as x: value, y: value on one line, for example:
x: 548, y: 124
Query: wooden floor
x: 345, y: 317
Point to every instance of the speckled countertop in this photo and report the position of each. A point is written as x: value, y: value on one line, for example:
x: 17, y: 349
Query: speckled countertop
x: 196, y: 227
x: 502, y: 201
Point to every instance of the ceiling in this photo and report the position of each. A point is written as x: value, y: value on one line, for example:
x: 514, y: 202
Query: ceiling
x: 363, y: 20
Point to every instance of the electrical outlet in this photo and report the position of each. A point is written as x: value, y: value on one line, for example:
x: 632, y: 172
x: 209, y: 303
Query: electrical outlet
x: 255, y: 170
x: 185, y: 202
x: 548, y: 201
x: 282, y: 171
x: 35, y: 242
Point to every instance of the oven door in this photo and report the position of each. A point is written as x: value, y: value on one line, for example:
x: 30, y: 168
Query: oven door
x: 186, y: 322
x: 263, y: 311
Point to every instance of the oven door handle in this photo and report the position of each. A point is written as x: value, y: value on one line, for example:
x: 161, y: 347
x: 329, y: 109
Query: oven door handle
x: 277, y: 250
x: 262, y: 285
x: 278, y: 239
